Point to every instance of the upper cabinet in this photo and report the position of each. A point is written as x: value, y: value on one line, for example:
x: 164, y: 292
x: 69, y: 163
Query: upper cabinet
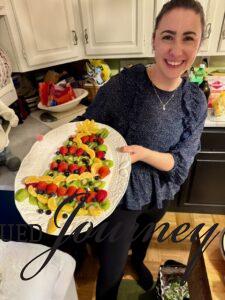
x: 48, y: 31
x: 211, y: 9
x: 43, y: 33
x: 114, y: 27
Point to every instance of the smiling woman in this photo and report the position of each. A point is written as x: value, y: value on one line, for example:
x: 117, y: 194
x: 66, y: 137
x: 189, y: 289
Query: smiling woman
x: 161, y: 116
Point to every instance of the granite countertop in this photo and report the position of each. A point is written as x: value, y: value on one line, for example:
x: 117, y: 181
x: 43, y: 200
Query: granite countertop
x: 24, y: 136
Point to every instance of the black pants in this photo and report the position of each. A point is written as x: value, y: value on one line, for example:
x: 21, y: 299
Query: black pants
x: 113, y: 253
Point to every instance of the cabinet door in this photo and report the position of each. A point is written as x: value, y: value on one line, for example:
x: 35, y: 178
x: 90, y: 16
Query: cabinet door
x: 48, y: 30
x: 204, y: 190
x: 211, y: 8
x: 221, y: 46
x: 112, y: 26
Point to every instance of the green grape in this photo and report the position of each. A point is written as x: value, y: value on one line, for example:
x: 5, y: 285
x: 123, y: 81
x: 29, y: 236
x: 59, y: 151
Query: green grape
x: 105, y: 204
x: 109, y: 163
x: 102, y: 148
x: 21, y: 195
x: 33, y: 200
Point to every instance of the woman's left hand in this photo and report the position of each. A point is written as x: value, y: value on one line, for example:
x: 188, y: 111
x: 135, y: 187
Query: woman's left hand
x: 137, y: 153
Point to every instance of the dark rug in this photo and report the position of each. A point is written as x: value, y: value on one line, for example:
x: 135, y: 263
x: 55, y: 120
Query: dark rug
x: 130, y: 290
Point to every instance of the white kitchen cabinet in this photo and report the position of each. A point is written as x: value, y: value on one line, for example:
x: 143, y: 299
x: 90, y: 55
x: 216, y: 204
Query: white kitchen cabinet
x: 43, y: 33
x: 211, y: 8
x: 221, y: 32
x: 221, y: 46
x: 115, y: 27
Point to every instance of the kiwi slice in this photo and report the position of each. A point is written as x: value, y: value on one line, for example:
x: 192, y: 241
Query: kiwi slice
x: 42, y: 206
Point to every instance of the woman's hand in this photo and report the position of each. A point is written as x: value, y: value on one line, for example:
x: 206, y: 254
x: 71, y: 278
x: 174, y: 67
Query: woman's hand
x: 159, y: 160
x: 137, y: 153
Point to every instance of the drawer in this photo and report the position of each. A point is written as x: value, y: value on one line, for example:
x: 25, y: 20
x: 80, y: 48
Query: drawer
x: 213, y: 140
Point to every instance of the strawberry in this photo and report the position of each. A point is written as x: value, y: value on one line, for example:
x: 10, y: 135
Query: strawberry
x: 34, y: 184
x: 63, y: 150
x: 100, y: 140
x: 85, y: 139
x: 82, y: 169
x: 92, y: 138
x: 103, y: 171
x: 91, y: 196
x: 71, y: 190
x: 80, y: 191
x: 63, y: 166
x: 73, y: 167
x: 72, y: 150
x: 79, y: 151
x: 100, y: 154
x: 51, y: 188
x: 54, y: 165
x: 42, y: 185
x: 61, y: 191
x: 101, y: 195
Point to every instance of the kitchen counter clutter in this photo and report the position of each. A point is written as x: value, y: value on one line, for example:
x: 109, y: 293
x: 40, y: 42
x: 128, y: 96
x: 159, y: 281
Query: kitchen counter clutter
x: 213, y: 121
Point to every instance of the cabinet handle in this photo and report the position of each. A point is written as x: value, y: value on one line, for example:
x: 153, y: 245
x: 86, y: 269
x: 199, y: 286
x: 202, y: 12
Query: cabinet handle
x: 208, y: 30
x: 75, y: 39
x: 85, y: 36
x: 223, y: 34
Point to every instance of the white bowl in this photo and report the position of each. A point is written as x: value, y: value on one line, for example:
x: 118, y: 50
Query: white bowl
x: 80, y: 93
x: 222, y: 243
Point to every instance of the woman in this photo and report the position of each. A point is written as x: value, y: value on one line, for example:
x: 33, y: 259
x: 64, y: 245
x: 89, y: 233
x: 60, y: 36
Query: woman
x: 161, y: 116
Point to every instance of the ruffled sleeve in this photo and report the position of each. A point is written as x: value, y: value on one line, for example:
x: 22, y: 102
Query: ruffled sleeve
x: 195, y: 106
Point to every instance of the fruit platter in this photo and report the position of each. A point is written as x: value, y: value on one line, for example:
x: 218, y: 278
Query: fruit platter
x: 75, y: 162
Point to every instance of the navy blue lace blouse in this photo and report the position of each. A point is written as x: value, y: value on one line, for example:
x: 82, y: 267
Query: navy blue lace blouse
x: 128, y: 103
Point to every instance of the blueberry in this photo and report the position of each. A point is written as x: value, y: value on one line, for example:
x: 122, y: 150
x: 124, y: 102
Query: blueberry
x: 52, y: 195
x: 40, y: 192
x: 66, y: 173
x: 76, y: 171
x: 96, y: 189
x: 85, y: 153
x: 51, y: 174
x: 40, y: 211
x: 64, y: 216
x: 83, y: 198
x: 96, y: 177
x: 84, y: 160
x: 71, y: 139
x: 57, y: 152
x: 48, y: 212
x: 58, y: 161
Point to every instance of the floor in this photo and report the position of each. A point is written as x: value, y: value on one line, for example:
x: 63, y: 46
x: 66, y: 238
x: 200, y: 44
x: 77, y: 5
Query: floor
x: 157, y: 254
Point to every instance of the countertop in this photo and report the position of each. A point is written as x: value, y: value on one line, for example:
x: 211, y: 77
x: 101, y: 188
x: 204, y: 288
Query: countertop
x: 24, y: 136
